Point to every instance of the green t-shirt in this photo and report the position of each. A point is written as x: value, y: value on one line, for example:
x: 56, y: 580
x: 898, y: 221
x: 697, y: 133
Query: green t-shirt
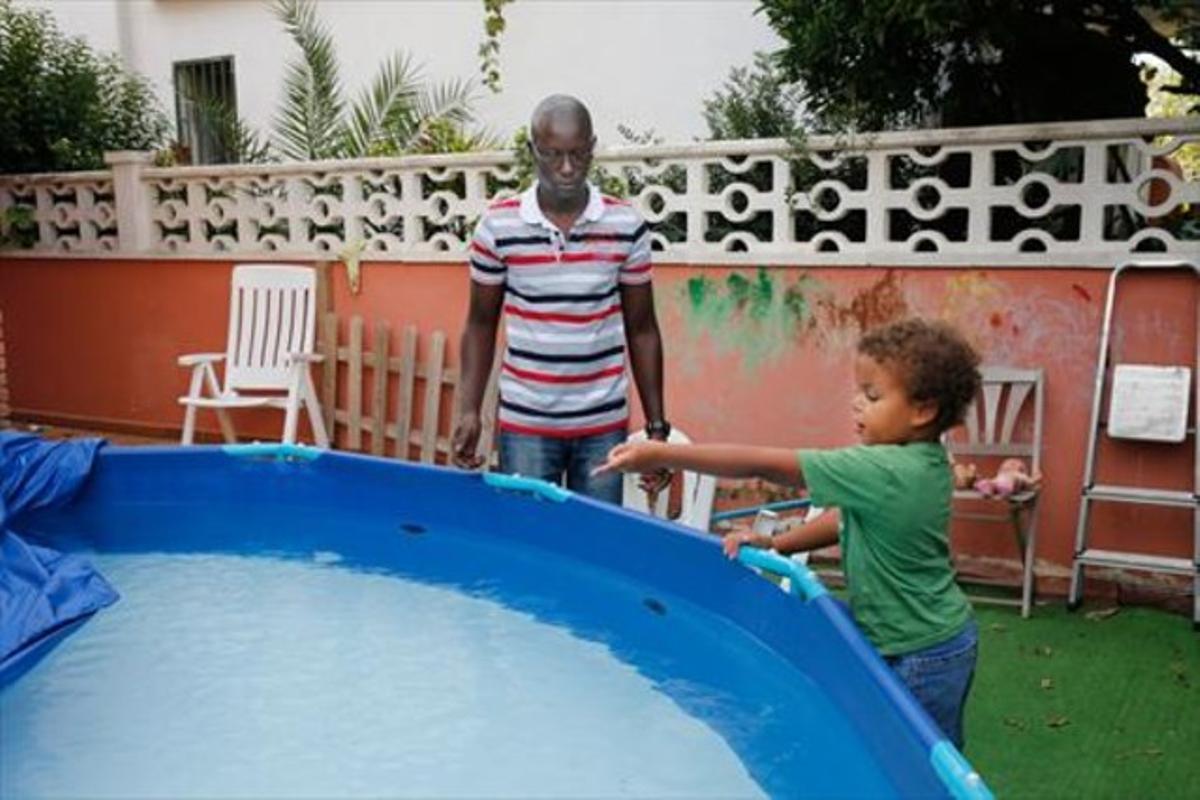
x: 895, y: 506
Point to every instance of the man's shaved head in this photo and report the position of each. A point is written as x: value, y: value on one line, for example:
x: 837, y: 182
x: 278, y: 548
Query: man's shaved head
x: 560, y: 108
x: 561, y: 142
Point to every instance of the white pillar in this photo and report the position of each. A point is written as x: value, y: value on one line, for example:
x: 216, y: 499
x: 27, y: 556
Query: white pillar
x: 132, y: 198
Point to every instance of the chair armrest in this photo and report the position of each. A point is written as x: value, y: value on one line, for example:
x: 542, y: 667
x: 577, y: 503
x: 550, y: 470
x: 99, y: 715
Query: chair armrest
x: 192, y: 359
x: 310, y: 358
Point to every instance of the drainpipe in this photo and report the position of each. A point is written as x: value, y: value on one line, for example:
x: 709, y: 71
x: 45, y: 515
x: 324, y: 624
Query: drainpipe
x: 126, y: 38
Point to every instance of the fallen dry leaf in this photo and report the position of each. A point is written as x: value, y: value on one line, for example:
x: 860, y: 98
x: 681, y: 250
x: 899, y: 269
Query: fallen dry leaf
x: 1103, y: 613
x: 1148, y: 752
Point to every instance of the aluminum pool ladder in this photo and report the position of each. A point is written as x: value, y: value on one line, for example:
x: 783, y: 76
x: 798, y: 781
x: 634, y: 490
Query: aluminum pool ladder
x: 1085, y: 555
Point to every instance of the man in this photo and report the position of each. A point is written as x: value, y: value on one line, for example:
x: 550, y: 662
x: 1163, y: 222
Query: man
x: 571, y: 271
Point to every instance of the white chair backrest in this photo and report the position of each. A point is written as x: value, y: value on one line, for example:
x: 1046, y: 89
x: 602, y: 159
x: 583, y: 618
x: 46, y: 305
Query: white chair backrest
x: 991, y: 427
x: 698, y: 491
x: 272, y: 313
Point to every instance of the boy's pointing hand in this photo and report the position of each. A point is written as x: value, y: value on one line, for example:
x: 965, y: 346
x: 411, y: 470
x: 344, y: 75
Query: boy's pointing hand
x: 631, y: 457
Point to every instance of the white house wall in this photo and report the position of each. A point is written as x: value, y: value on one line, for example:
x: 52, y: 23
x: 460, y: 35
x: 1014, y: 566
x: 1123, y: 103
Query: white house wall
x: 648, y: 64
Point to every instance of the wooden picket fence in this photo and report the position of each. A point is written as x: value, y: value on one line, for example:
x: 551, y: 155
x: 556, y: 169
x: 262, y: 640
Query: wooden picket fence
x: 411, y: 408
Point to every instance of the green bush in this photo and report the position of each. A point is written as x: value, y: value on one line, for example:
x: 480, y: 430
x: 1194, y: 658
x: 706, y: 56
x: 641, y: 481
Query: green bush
x: 63, y: 105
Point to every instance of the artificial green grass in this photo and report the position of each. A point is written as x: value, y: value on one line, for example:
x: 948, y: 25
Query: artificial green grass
x: 1090, y: 704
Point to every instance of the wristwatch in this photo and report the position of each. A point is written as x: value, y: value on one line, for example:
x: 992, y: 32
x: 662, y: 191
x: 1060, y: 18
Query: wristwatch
x: 658, y: 429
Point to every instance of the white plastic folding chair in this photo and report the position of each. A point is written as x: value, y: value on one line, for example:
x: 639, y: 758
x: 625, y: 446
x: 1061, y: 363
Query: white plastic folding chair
x: 697, y: 498
x: 272, y: 332
x: 991, y: 430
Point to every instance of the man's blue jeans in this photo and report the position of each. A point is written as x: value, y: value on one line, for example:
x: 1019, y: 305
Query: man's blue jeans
x: 553, y: 459
x: 940, y: 677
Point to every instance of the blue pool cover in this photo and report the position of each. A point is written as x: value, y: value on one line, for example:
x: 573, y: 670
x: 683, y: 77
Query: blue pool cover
x: 807, y: 629
x: 42, y: 591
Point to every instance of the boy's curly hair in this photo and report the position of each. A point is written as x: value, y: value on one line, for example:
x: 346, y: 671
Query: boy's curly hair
x: 933, y: 361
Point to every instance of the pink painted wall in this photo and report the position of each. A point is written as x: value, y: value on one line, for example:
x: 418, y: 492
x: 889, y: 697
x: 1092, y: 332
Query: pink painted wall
x: 753, y: 356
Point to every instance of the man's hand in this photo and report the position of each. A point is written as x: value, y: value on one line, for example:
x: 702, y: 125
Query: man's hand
x: 653, y: 482
x: 464, y: 442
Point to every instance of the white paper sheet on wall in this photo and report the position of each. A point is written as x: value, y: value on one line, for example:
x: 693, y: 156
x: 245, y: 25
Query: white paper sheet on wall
x: 1149, y: 402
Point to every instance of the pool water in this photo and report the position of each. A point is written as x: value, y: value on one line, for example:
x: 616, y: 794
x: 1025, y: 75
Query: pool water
x: 305, y: 657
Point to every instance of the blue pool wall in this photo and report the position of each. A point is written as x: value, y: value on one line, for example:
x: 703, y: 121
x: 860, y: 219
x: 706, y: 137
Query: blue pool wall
x: 816, y: 636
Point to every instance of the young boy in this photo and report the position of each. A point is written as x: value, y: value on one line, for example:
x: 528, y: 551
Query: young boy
x: 892, y: 493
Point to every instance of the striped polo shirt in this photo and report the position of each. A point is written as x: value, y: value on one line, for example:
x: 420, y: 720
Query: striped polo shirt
x: 564, y: 367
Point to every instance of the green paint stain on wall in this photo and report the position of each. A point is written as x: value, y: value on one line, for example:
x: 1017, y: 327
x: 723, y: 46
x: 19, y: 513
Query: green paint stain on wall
x: 739, y: 289
x: 699, y: 289
x: 750, y: 313
x: 795, y: 302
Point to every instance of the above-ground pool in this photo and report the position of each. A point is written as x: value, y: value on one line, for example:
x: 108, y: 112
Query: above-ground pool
x: 304, y: 624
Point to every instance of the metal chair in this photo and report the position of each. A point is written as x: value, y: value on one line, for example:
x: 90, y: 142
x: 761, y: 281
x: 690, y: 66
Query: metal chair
x: 1007, y: 396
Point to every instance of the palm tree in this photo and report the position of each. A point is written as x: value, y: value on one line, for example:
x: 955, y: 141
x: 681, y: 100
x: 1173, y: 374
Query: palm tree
x: 397, y: 113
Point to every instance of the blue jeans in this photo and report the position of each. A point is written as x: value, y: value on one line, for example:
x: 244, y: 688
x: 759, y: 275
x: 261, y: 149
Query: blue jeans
x: 940, y: 677
x: 554, y: 459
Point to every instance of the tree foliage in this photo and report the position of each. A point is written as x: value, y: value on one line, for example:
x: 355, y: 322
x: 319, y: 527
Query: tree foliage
x: 62, y: 105
x: 1165, y: 101
x: 232, y: 135
x: 756, y: 102
x: 397, y: 113
x: 874, y: 64
x: 309, y: 123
